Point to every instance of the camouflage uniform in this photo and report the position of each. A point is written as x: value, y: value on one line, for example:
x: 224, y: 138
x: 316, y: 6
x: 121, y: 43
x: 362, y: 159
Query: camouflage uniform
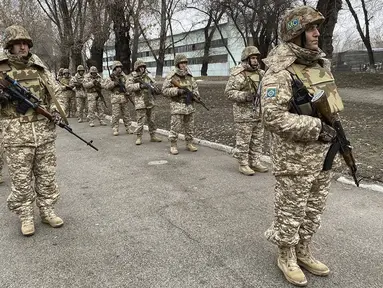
x: 29, y: 139
x: 95, y: 103
x: 60, y: 74
x: 118, y: 99
x: 69, y: 100
x: 241, y: 89
x: 144, y: 100
x: 182, y: 115
x: 1, y: 157
x: 81, y: 101
x: 297, y: 151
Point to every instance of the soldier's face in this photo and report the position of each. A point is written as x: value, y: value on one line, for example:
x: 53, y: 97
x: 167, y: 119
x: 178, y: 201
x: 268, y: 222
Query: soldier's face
x: 183, y: 65
x: 81, y: 72
x: 66, y: 75
x: 20, y: 48
x: 93, y: 74
x: 118, y: 70
x: 141, y: 69
x: 312, y: 37
x: 253, y: 60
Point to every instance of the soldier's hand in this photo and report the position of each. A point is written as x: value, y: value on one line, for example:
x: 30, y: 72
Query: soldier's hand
x: 143, y: 86
x: 57, y: 119
x: 249, y: 97
x: 181, y: 92
x: 3, y: 97
x: 327, y: 134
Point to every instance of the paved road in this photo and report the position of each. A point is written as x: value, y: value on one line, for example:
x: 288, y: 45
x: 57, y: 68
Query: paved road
x: 192, y: 222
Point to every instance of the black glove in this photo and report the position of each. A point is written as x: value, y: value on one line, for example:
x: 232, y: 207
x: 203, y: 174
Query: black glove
x: 143, y: 86
x: 57, y: 119
x: 3, y: 98
x: 250, y: 97
x: 181, y: 92
x: 327, y: 134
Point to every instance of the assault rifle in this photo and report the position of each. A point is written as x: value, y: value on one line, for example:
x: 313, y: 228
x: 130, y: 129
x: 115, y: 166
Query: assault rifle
x: 25, y: 100
x: 98, y: 88
x: 153, y: 90
x: 341, y: 144
x: 189, y: 94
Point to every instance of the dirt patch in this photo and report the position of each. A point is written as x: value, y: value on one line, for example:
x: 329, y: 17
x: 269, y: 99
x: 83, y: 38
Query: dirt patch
x: 358, y: 79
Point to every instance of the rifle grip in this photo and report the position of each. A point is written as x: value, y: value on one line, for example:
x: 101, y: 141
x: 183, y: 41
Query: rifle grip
x: 334, y: 149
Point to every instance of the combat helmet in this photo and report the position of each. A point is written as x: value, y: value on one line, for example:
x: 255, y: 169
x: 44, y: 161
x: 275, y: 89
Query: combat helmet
x: 65, y: 71
x: 295, y: 21
x: 61, y: 71
x: 116, y: 64
x: 93, y: 69
x: 179, y: 59
x: 249, y: 50
x: 138, y: 63
x: 14, y: 33
x: 80, y: 68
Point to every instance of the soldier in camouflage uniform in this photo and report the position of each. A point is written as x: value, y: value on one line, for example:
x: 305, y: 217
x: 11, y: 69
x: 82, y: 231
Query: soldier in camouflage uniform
x: 140, y: 83
x: 68, y: 93
x: 60, y: 74
x: 29, y: 140
x: 81, y: 101
x: 242, y: 89
x: 299, y: 142
x: 93, y: 83
x: 182, y: 115
x: 120, y: 108
x: 1, y: 157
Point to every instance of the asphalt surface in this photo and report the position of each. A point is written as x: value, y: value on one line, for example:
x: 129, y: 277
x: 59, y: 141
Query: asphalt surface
x: 189, y: 220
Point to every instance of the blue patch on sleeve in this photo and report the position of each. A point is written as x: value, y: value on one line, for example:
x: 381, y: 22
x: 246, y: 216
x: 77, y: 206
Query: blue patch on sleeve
x: 271, y: 92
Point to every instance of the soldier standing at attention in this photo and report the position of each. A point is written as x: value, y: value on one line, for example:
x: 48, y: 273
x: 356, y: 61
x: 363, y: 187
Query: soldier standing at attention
x: 242, y: 89
x: 81, y: 102
x: 181, y: 108
x: 143, y: 86
x: 120, y: 108
x: 300, y: 141
x: 29, y: 139
x: 68, y: 93
x: 92, y: 84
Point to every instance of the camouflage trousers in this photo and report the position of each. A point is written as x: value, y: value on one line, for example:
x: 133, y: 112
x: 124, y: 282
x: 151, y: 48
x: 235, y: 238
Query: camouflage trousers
x: 249, y: 141
x: 81, y: 103
x: 121, y: 110
x: 178, y: 122
x: 25, y: 162
x: 1, y: 158
x: 299, y: 203
x: 141, y: 114
x: 70, y: 105
x: 95, y: 106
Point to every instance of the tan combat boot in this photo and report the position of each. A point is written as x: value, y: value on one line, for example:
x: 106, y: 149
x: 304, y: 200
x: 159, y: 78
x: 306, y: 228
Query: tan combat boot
x: 91, y: 123
x: 246, y: 170
x: 139, y: 140
x: 27, y: 221
x: 103, y: 123
x: 115, y: 131
x: 258, y: 167
x: 48, y: 216
x: 307, y: 260
x: 154, y: 138
x: 79, y: 120
x: 287, y: 262
x: 190, y: 147
x: 173, y: 148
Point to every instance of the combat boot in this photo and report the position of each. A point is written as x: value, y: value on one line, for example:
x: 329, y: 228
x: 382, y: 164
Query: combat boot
x: 154, y: 138
x: 139, y: 140
x: 287, y: 262
x: 91, y: 123
x: 48, y: 216
x: 79, y: 120
x: 246, y: 170
x: 115, y: 131
x: 173, y: 148
x: 190, y: 147
x: 1, y: 179
x: 258, y: 167
x: 103, y: 123
x: 307, y: 260
x: 27, y: 221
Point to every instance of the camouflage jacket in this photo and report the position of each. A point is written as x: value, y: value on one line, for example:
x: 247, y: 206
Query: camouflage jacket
x: 295, y: 149
x: 65, y: 87
x: 143, y: 98
x: 89, y: 83
x: 29, y: 129
x: 76, y: 81
x: 177, y: 104
x: 118, y: 95
x: 241, y: 84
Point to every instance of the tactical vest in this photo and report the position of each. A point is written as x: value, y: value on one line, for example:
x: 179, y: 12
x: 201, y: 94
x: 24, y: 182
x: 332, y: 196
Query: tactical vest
x: 64, y: 81
x: 29, y: 78
x: 254, y: 78
x: 93, y: 89
x: 319, y: 78
x: 116, y: 89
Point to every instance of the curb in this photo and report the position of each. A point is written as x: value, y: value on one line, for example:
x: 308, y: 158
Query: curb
x: 230, y: 150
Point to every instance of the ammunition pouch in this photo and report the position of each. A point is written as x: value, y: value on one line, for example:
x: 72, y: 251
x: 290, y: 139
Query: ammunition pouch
x: 300, y: 103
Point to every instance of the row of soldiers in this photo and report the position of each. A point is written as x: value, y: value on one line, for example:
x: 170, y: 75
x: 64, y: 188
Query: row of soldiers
x: 300, y: 139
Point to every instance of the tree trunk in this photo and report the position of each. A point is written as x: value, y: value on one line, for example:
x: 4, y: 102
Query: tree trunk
x: 136, y: 37
x: 161, y: 50
x: 96, y: 53
x: 76, y: 56
x: 330, y: 10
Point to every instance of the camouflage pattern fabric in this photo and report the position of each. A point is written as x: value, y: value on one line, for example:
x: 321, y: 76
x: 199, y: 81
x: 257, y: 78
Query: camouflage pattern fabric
x: 299, y: 204
x: 120, y: 108
x: 177, y: 104
x: 180, y: 122
x: 81, y: 100
x: 95, y: 105
x: 142, y: 97
x: 29, y: 139
x: 141, y: 114
x: 69, y: 98
x: 249, y: 141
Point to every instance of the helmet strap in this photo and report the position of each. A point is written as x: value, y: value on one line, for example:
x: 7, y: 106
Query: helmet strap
x: 303, y: 39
